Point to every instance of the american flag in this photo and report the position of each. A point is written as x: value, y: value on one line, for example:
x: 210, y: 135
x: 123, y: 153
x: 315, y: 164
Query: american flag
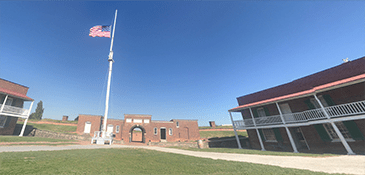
x: 100, y: 31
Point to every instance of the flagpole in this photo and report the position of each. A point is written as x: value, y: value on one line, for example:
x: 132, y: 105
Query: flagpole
x: 110, y: 59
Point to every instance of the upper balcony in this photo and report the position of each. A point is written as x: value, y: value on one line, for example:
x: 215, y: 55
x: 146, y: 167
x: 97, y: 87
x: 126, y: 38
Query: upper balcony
x: 337, y: 111
x: 13, y: 111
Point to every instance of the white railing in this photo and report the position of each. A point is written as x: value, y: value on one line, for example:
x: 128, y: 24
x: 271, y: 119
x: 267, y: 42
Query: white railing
x: 354, y: 108
x: 14, y: 110
x: 270, y: 119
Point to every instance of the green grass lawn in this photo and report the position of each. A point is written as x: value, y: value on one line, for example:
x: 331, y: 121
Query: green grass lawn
x: 127, y: 161
x: 211, y: 134
x: 49, y: 120
x: 217, y: 127
x: 31, y: 139
x: 54, y: 128
x: 252, y: 151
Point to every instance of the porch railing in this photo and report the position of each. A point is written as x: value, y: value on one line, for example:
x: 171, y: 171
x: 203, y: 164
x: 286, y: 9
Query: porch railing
x: 14, y: 110
x: 354, y: 108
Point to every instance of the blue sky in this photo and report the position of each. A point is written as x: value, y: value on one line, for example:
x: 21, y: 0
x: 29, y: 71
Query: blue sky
x: 173, y: 60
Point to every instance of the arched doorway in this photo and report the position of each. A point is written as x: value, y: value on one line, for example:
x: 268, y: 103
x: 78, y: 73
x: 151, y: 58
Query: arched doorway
x: 136, y: 134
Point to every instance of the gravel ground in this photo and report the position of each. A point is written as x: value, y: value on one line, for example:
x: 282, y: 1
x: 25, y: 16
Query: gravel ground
x: 348, y: 164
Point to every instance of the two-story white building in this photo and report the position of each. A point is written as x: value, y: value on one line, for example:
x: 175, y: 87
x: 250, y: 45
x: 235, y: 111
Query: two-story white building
x: 12, y: 98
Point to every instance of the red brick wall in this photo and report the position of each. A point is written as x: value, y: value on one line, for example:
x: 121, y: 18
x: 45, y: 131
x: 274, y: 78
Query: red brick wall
x: 95, y: 123
x: 13, y: 87
x: 187, y: 130
x: 115, y: 123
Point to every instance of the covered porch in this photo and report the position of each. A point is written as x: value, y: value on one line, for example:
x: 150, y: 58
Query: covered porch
x: 321, y: 111
x: 8, y: 110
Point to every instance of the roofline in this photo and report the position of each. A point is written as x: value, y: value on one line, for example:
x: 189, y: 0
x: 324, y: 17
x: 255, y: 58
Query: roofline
x: 314, y: 90
x: 15, y: 94
x: 15, y: 83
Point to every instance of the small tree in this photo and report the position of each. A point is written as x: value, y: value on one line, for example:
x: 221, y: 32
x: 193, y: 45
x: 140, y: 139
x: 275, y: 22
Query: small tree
x: 38, y: 114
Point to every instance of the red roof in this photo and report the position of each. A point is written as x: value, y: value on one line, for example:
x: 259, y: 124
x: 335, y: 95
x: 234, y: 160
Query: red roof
x: 344, y: 73
x: 15, y: 94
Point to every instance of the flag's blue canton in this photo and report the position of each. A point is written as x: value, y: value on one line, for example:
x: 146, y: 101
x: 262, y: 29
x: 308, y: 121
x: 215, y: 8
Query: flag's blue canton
x: 105, y: 28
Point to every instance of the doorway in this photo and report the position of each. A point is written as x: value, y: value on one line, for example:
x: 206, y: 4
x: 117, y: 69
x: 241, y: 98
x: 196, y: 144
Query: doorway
x: 136, y: 134
x: 163, y: 133
x: 299, y: 138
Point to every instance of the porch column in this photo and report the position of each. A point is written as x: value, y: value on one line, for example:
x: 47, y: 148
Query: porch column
x: 26, y: 120
x: 287, y: 130
x: 338, y: 132
x: 2, y: 106
x: 235, y: 132
x: 257, y: 131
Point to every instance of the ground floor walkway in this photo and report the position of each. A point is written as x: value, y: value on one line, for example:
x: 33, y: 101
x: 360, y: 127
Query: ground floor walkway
x: 354, y: 164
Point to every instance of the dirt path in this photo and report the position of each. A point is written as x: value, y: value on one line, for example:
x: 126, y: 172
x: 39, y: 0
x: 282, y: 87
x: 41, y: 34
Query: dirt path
x: 354, y: 164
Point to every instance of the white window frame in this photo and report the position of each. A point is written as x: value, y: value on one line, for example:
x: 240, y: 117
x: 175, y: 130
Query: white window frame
x: 87, y: 123
x: 333, y: 135
x: 110, y: 126
x: 117, y: 128
x: 177, y: 124
x: 170, y: 131
x: 3, y: 119
x: 269, y: 135
x: 155, y: 131
x: 9, y: 101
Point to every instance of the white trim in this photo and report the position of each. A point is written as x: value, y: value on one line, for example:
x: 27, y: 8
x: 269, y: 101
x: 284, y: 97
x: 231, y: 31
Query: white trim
x: 117, y: 129
x: 170, y: 131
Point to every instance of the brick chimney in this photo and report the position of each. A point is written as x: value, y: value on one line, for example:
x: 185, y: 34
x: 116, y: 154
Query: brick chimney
x: 64, y: 118
x: 212, y: 124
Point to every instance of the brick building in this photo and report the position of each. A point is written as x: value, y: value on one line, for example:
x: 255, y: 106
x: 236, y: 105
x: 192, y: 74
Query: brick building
x: 12, y: 98
x: 140, y: 128
x: 322, y: 112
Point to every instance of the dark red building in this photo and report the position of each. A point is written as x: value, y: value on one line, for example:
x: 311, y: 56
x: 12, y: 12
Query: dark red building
x: 322, y: 112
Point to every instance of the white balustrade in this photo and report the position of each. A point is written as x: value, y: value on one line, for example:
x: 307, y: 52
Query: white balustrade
x: 14, y: 110
x: 268, y: 120
x: 354, y: 108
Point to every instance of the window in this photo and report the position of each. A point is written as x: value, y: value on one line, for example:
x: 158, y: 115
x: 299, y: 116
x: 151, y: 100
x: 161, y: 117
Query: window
x: 2, y: 121
x: 155, y: 131
x: 332, y: 133
x: 177, y: 124
x: 109, y: 128
x: 261, y: 112
x: 170, y: 131
x: 269, y: 135
x: 9, y: 101
x: 87, y: 127
x: 316, y: 104
x: 117, y: 129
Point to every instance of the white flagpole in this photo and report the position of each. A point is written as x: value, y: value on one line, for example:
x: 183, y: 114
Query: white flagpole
x: 110, y: 59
